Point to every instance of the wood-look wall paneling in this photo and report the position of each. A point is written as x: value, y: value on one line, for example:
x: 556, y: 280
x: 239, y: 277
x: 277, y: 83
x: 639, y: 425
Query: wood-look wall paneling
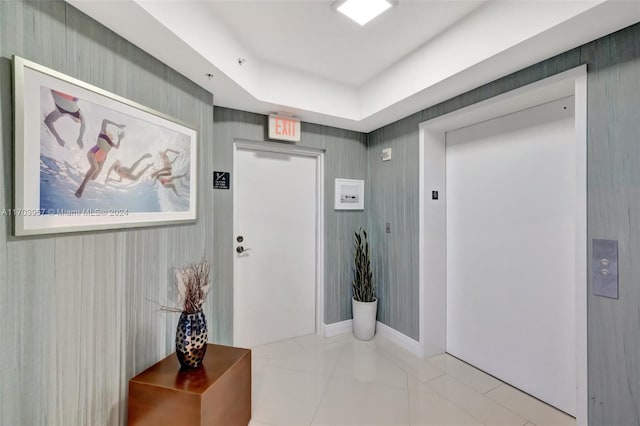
x: 614, y: 213
x: 345, y: 157
x: 393, y: 196
x: 78, y: 311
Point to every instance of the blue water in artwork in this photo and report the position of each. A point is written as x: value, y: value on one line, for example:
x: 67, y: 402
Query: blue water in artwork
x: 57, y: 191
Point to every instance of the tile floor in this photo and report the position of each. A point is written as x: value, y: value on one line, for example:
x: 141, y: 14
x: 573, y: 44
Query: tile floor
x: 312, y: 380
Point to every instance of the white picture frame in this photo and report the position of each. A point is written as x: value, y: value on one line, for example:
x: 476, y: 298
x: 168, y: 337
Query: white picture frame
x: 349, y: 194
x: 64, y: 179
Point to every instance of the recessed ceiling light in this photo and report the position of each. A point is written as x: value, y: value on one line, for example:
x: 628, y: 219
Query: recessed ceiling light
x: 362, y: 11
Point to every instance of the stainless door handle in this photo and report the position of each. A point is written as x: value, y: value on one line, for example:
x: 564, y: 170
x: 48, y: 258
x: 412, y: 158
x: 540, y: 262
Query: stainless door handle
x: 241, y: 249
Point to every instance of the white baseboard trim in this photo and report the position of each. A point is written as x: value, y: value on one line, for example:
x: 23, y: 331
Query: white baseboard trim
x: 405, y: 342
x: 342, y: 327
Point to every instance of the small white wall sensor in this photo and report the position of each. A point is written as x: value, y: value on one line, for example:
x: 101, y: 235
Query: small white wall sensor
x: 386, y: 154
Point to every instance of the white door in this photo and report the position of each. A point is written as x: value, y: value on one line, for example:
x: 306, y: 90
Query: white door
x: 275, y: 209
x: 511, y: 212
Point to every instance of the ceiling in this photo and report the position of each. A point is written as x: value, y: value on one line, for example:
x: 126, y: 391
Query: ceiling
x: 304, y: 58
x: 309, y: 36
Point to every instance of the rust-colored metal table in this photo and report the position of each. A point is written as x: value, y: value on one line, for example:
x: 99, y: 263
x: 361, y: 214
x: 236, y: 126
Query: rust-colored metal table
x: 216, y: 393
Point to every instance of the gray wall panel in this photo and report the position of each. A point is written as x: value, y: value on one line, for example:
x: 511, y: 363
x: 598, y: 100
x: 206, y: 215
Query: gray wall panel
x: 228, y: 124
x: 345, y: 157
x: 78, y: 311
x: 395, y: 196
x: 613, y: 213
x: 539, y: 71
x: 78, y: 320
x: 613, y: 203
x: 9, y: 380
x: 394, y: 199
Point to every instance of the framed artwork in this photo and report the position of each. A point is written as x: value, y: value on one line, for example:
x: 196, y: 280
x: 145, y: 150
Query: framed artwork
x: 349, y: 194
x: 87, y: 159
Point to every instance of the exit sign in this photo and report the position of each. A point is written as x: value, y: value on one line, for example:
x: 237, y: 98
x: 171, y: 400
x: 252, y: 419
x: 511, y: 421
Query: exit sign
x: 284, y: 128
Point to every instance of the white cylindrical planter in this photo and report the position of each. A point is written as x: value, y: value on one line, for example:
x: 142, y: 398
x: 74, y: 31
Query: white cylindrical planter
x: 364, y: 319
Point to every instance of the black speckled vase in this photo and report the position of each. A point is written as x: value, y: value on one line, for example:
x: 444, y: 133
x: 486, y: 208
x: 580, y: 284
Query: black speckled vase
x: 191, y: 339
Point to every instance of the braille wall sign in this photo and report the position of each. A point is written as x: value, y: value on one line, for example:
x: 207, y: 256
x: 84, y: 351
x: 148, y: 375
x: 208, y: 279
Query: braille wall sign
x: 221, y: 180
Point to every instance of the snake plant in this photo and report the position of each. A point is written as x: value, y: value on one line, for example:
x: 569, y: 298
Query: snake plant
x: 363, y: 290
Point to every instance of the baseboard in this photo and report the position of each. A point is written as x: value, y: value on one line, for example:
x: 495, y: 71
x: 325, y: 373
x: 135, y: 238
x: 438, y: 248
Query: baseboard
x: 405, y: 342
x: 342, y: 327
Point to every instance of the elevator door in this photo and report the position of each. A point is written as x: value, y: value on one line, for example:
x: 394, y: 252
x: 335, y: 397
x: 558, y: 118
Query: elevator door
x: 511, y: 211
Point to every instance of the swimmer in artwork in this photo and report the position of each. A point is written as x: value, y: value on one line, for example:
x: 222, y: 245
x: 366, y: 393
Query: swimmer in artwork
x: 98, y: 154
x: 66, y: 106
x: 164, y: 175
x: 166, y: 181
x: 127, y: 172
x: 167, y: 165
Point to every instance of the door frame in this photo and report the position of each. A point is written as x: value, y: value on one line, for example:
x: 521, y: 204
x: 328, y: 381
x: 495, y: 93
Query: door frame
x: 432, y: 214
x: 318, y: 154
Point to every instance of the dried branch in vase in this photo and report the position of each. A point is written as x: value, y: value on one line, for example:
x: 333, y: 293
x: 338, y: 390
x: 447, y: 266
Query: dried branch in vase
x: 192, y: 284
